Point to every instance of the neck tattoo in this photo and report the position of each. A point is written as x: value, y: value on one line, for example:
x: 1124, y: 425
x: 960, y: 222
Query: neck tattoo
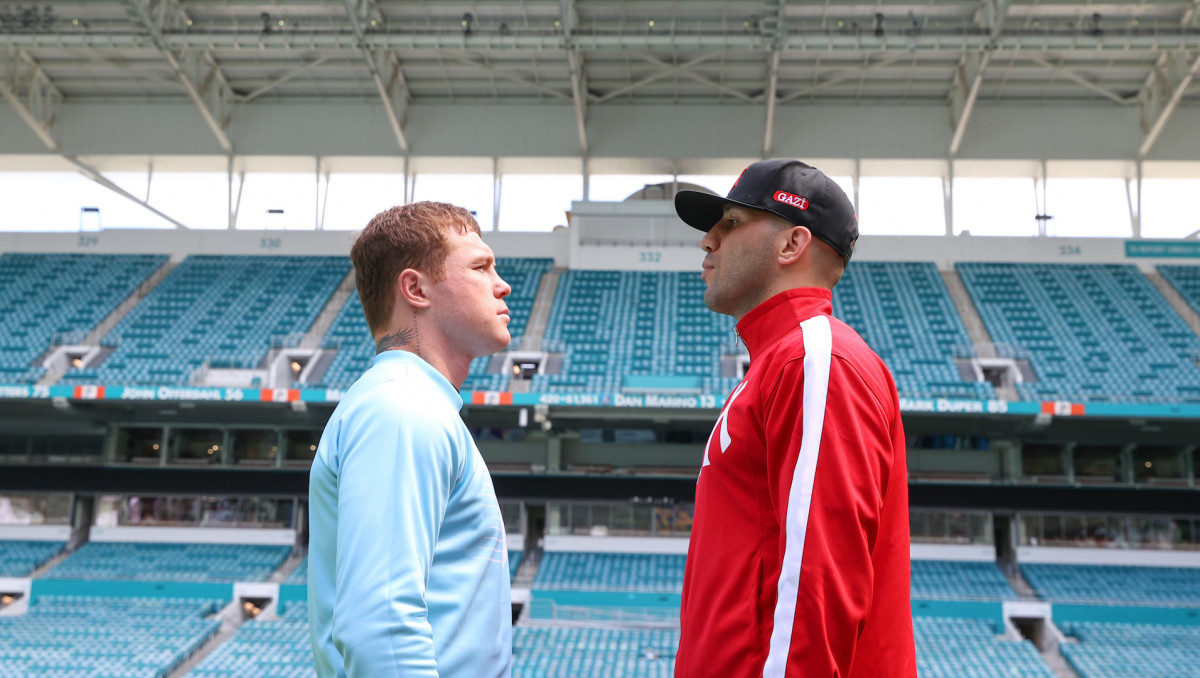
x: 392, y: 342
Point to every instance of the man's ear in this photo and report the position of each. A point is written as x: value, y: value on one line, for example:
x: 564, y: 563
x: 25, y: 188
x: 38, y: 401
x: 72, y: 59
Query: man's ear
x: 798, y: 240
x: 411, y: 286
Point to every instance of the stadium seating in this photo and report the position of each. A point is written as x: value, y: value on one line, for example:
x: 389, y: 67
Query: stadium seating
x: 953, y: 580
x: 905, y: 313
x: 222, y: 309
x: 278, y: 648
x: 638, y: 572
x: 73, y: 636
x: 1115, y: 584
x: 19, y: 558
x: 1186, y: 281
x: 970, y: 648
x: 1114, y: 650
x: 171, y: 562
x: 300, y: 574
x: 540, y: 652
x: 351, y: 337
x: 1092, y: 332
x: 514, y: 562
x: 616, y: 325
x: 613, y: 324
x: 43, y: 296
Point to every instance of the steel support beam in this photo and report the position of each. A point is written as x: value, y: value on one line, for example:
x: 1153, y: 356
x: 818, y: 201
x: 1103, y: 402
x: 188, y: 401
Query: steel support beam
x: 844, y: 75
x: 286, y: 77
x: 968, y: 78
x: 1077, y: 78
x: 568, y: 19
x: 667, y: 71
x: 1170, y: 79
x: 929, y: 39
x: 25, y: 86
x: 93, y: 174
x: 511, y: 75
x: 195, y: 68
x: 776, y: 29
x: 701, y: 79
x: 393, y: 91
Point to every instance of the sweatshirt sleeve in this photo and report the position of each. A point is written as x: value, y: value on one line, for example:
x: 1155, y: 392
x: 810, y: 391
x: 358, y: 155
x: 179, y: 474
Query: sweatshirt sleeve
x: 828, y: 448
x: 397, y: 468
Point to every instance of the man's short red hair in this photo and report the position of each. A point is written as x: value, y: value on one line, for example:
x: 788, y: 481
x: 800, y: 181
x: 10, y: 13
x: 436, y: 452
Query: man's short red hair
x: 410, y: 236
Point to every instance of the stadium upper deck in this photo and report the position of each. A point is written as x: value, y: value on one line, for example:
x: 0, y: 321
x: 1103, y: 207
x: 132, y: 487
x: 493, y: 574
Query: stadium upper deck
x: 1077, y: 327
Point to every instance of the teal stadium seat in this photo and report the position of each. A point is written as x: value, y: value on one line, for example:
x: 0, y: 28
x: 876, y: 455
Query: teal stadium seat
x: 614, y: 326
x: 610, y: 325
x: 223, y: 309
x: 543, y: 652
x: 954, y: 580
x: 970, y: 648
x: 1116, y: 650
x: 277, y: 648
x: 88, y: 637
x: 18, y: 558
x: 635, y: 572
x: 1092, y: 332
x: 905, y: 314
x: 1115, y: 584
x: 44, y: 296
x: 171, y: 562
x: 300, y: 574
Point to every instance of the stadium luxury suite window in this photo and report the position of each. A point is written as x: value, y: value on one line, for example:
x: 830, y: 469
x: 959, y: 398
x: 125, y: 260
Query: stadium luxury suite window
x: 301, y: 447
x: 255, y: 447
x: 1043, y: 462
x: 197, y: 447
x: 140, y: 446
x: 61, y: 449
x: 1097, y: 463
x: 1159, y: 465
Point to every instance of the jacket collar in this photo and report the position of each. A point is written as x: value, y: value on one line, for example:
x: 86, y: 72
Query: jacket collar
x: 768, y: 322
x: 398, y: 359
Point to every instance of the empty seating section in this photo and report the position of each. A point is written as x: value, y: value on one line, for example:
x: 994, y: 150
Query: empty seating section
x: 1094, y: 332
x: 1186, y: 281
x: 222, y: 309
x: 524, y: 275
x: 610, y: 324
x: 279, y: 648
x: 640, y: 572
x: 171, y: 562
x: 905, y: 313
x: 300, y: 574
x: 102, y: 637
x: 1115, y: 584
x: 43, y: 296
x: 514, y: 562
x: 351, y: 337
x: 1111, y: 650
x: 953, y: 580
x: 970, y: 648
x: 614, y: 653
x: 18, y: 558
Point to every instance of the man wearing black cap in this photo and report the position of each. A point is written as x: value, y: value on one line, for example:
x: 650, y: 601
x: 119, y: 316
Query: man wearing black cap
x: 799, y: 556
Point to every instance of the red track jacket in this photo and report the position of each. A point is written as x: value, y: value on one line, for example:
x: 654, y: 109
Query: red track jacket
x: 799, y: 558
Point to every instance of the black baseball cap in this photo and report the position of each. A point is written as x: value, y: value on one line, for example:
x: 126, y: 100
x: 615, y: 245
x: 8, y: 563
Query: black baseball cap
x: 801, y: 194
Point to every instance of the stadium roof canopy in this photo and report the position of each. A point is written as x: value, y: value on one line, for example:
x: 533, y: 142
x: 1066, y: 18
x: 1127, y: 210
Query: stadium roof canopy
x: 748, y: 64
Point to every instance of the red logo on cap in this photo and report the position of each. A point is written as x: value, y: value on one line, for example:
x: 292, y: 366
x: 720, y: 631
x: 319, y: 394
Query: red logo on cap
x: 739, y: 178
x: 789, y: 199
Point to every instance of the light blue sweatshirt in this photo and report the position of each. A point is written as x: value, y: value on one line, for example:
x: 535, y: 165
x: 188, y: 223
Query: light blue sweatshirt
x: 408, y: 565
